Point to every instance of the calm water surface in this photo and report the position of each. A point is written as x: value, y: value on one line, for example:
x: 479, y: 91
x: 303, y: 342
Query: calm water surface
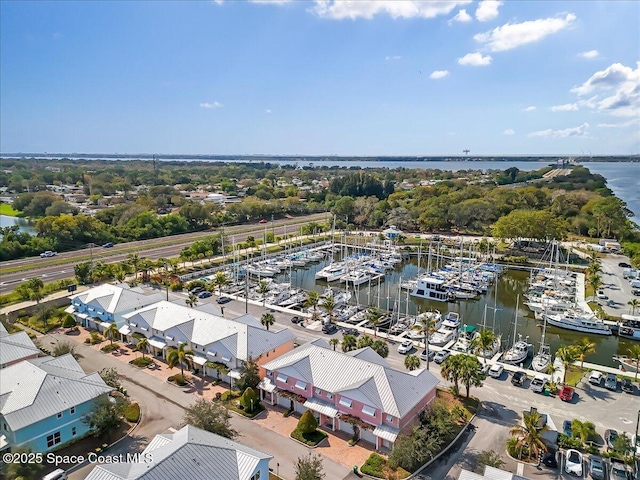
x: 23, y: 223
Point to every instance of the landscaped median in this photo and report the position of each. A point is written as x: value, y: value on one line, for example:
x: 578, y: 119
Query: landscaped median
x: 307, y: 432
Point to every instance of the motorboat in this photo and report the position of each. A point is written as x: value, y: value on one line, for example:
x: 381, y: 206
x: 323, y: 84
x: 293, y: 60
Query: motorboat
x: 518, y: 353
x: 580, y: 322
x: 627, y: 364
x: 357, y: 277
x: 467, y: 334
x: 630, y: 327
x: 431, y: 288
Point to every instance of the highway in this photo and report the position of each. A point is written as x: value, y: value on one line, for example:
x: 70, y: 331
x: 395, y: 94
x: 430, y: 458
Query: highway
x: 61, y: 266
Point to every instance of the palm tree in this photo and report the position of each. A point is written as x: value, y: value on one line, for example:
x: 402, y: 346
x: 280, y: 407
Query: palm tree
x: 263, y: 289
x: 427, y: 327
x: 634, y: 355
x: 145, y: 266
x: 381, y: 348
x: 329, y: 305
x: 583, y: 430
x: 334, y: 342
x: 567, y: 355
x: 470, y: 372
x: 595, y: 281
x: 192, y: 301
x: 529, y: 434
x: 349, y: 342
x: 584, y: 347
x: 483, y: 342
x: 313, y: 298
x: 634, y: 304
x: 143, y: 345
x: 450, y: 371
x: 179, y: 356
x: 111, y: 331
x: 412, y: 362
x: 374, y: 315
x: 267, y: 320
x: 221, y: 280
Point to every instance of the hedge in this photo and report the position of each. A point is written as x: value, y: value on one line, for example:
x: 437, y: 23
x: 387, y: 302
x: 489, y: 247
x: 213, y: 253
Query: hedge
x: 132, y: 412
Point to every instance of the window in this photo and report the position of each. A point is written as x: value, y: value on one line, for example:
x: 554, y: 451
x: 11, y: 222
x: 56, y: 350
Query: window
x: 301, y: 385
x: 318, y: 391
x: 169, y: 337
x: 133, y: 324
x: 59, y: 415
x: 369, y: 411
x: 329, y: 395
x: 73, y: 431
x: 345, y: 402
x: 4, y: 426
x: 389, y: 419
x: 72, y: 410
x: 269, y: 373
x: 226, y: 358
x: 256, y: 476
x: 212, y: 353
x: 53, y: 439
x: 282, y: 378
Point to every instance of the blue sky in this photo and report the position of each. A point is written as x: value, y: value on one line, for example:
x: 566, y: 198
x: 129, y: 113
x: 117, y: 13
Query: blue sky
x: 321, y: 77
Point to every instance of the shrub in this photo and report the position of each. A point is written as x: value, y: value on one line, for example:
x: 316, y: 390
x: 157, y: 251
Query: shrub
x: 132, y: 412
x: 178, y: 379
x: 176, y: 286
x: 249, y: 399
x: 69, y: 321
x: 110, y: 348
x: 141, y: 362
x: 565, y: 441
x: 512, y: 446
x: 95, y: 338
x: 374, y: 466
x: 307, y: 423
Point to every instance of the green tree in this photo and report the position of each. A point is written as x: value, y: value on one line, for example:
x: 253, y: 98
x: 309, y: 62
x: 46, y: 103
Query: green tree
x: 529, y: 434
x: 595, y: 282
x: 483, y: 342
x: 221, y: 280
x: 313, y: 298
x: 567, y: 355
x: 583, y: 430
x: 427, y: 326
x: 307, y: 423
x: 470, y: 372
x: 334, y: 343
x: 411, y: 362
x: 111, y: 331
x: 106, y: 414
x: 450, y: 371
x: 329, y: 305
x: 143, y: 345
x: 263, y: 289
x: 634, y: 303
x: 249, y: 375
x: 209, y: 415
x: 111, y: 377
x: 249, y: 399
x: 365, y: 341
x: 83, y: 273
x: 584, y: 347
x: 381, y: 348
x: 192, y: 300
x: 374, y: 316
x: 309, y: 468
x: 180, y: 356
x: 267, y: 320
x: 349, y: 342
x: 490, y: 458
x: 64, y: 348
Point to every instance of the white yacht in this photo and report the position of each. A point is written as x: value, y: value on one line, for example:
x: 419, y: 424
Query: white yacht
x: 431, y: 288
x: 518, y: 353
x: 332, y: 272
x: 580, y: 322
x: 467, y: 334
x: 357, y: 277
x: 630, y: 327
x: 448, y: 331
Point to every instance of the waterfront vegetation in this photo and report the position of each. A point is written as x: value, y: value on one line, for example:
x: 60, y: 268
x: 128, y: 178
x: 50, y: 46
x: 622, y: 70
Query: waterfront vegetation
x: 8, y: 210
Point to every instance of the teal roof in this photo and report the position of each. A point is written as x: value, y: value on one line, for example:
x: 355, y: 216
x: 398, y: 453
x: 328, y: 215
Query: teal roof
x: 468, y: 329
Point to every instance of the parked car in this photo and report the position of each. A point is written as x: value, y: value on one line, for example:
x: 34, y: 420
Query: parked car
x: 423, y: 355
x: 624, y: 265
x: 612, y: 304
x: 262, y: 221
x: 596, y: 378
x: 296, y: 319
x: 573, y: 462
x: 627, y: 386
x: 550, y: 459
x: 611, y: 382
x: 441, y: 356
x: 405, y: 347
x: 566, y: 393
x: 618, y: 470
x: 597, y: 470
x: 518, y: 379
x: 538, y: 383
x: 496, y: 370
x: 48, y: 253
x: 350, y: 331
x: 204, y: 294
x: 610, y: 436
x: 107, y: 245
x: 601, y: 295
x: 566, y: 428
x: 223, y: 300
x: 196, y: 290
x: 329, y: 328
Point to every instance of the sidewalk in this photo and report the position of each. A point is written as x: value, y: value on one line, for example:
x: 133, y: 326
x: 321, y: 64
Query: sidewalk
x: 30, y: 303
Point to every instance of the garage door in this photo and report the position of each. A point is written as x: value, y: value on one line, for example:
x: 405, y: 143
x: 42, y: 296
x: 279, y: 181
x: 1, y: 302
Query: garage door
x: 367, y: 435
x: 346, y: 427
x: 300, y: 408
x: 284, y: 402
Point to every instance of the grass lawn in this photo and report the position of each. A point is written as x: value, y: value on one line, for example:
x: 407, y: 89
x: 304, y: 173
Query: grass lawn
x: 377, y: 466
x: 312, y: 439
x: 257, y: 410
x: 574, y: 375
x: 6, y: 209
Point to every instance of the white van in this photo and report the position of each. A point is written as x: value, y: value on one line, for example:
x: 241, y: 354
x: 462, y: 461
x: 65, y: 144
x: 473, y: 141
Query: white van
x: 57, y: 474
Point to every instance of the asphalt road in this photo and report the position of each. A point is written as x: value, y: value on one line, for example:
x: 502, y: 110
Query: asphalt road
x: 615, y: 286
x: 37, y: 267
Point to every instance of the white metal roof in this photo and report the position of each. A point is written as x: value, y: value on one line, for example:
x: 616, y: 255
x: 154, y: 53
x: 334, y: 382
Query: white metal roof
x: 16, y: 346
x: 116, y: 298
x: 320, y: 406
x: 188, y: 454
x: 386, y: 432
x: 393, y: 391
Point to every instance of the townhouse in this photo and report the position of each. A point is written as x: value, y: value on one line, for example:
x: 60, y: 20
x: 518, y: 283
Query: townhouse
x: 16, y: 347
x: 190, y: 454
x: 215, y: 340
x: 44, y: 401
x: 339, y: 386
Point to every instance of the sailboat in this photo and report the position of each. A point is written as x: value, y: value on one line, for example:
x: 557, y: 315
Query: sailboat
x: 542, y: 359
x: 519, y: 351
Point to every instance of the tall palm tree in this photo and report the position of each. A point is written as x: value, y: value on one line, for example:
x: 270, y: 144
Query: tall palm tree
x: 568, y: 355
x: 483, y: 342
x: 267, y: 320
x: 134, y: 260
x: 634, y: 355
x: 349, y: 342
x: 470, y: 372
x: 334, y: 342
x: 263, y: 289
x: 595, y: 281
x: 634, y: 303
x: 329, y: 305
x: 221, y: 280
x: 180, y: 356
x: 143, y: 345
x: 192, y: 301
x: 427, y: 327
x: 111, y: 331
x: 584, y: 347
x: 583, y: 430
x: 146, y: 266
x: 313, y: 298
x: 450, y: 371
x: 412, y: 362
x: 529, y: 434
x: 374, y: 315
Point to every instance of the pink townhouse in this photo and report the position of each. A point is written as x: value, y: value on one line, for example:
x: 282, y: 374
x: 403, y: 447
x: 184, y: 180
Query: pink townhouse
x: 338, y: 386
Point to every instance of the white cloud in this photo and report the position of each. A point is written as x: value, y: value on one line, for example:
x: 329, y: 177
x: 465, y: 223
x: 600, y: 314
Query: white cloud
x: 579, y: 131
x: 462, y: 17
x: 475, y: 60
x: 438, y: 74
x: 508, y: 131
x: 626, y: 124
x: 567, y: 107
x: 529, y: 109
x: 589, y: 55
x: 353, y: 9
x: 619, y: 86
x: 268, y: 110
x: 389, y: 58
x: 487, y: 10
x: 210, y: 105
x: 512, y: 35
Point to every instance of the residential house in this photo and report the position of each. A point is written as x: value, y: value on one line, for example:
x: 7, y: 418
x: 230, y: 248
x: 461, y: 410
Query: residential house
x: 337, y: 386
x: 190, y: 454
x: 215, y: 340
x: 16, y: 347
x: 100, y: 306
x: 44, y: 401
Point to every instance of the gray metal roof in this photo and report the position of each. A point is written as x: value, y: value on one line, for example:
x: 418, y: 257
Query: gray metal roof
x: 490, y: 473
x: 15, y: 347
x: 188, y: 454
x: 116, y: 298
x: 36, y: 389
x: 393, y: 391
